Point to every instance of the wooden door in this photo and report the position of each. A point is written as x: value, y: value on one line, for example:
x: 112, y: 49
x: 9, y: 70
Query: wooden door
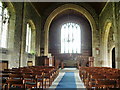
x: 4, y: 65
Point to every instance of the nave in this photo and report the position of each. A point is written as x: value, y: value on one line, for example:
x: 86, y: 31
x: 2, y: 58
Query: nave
x: 40, y: 40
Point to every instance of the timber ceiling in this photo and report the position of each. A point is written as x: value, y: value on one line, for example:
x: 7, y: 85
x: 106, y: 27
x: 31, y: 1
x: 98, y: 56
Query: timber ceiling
x: 42, y: 6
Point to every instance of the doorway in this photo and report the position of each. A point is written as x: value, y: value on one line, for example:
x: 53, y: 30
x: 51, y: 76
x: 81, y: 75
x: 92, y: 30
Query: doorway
x: 113, y: 58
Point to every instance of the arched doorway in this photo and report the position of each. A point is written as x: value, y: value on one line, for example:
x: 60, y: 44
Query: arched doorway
x: 113, y: 58
x: 62, y: 45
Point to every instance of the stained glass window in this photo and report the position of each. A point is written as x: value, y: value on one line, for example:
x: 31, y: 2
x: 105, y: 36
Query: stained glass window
x: 70, y: 38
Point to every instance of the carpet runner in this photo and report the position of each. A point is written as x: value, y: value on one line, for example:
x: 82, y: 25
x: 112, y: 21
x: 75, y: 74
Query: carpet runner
x: 67, y: 81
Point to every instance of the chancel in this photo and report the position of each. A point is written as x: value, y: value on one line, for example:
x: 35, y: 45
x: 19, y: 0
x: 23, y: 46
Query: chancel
x: 59, y: 45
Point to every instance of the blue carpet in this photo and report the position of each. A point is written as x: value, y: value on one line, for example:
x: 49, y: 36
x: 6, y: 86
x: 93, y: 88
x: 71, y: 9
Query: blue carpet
x: 67, y: 81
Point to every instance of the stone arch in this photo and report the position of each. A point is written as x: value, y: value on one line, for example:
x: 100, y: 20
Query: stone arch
x: 105, y: 35
x: 33, y: 35
x: 33, y: 40
x: 60, y: 10
x: 32, y: 24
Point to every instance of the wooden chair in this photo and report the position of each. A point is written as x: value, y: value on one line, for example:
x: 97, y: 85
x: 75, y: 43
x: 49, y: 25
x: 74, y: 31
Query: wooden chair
x: 47, y: 78
x: 14, y: 83
x: 15, y: 80
x: 105, y: 84
x: 40, y: 78
x: 30, y: 81
x: 93, y: 79
x: 118, y: 83
x: 15, y: 76
x: 100, y: 77
x: 2, y: 81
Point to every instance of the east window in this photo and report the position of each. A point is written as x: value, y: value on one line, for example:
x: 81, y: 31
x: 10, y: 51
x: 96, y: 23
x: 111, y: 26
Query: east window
x: 70, y: 38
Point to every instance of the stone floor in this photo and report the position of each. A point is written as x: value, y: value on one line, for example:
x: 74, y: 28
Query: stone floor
x: 79, y: 83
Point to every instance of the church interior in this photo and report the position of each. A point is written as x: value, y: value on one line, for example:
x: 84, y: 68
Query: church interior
x: 59, y: 45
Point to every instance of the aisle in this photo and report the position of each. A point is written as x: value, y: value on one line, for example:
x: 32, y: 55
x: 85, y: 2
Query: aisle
x: 67, y: 81
x: 68, y: 78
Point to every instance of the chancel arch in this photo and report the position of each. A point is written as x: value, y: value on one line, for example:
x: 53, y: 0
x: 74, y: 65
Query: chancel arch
x: 59, y: 10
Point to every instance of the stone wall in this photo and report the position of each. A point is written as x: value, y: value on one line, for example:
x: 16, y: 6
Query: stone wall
x: 108, y: 36
x: 30, y: 14
x: 15, y: 53
x: 117, y: 42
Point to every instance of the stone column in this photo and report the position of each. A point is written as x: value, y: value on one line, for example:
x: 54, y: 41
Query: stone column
x: 117, y: 25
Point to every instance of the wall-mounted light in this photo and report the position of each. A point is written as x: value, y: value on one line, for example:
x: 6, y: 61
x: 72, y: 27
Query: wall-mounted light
x: 97, y: 51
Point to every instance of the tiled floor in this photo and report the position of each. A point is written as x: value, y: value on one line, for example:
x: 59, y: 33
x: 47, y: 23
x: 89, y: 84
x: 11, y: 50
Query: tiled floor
x: 79, y: 83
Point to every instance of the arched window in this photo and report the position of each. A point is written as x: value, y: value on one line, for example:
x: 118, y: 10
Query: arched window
x: 70, y: 38
x: 28, y: 38
x: 4, y: 24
